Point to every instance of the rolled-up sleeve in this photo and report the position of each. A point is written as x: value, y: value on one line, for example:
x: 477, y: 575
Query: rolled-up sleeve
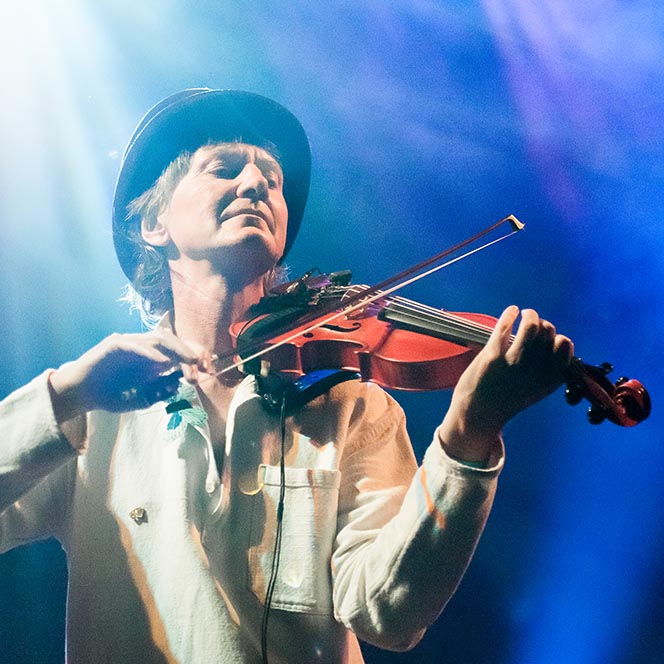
x: 405, y: 534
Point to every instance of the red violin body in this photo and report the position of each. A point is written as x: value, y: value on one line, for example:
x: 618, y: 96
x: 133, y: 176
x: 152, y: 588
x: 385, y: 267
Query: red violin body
x: 378, y: 351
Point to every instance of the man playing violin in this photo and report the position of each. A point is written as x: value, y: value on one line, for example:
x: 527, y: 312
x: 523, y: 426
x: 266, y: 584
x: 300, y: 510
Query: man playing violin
x: 199, y: 524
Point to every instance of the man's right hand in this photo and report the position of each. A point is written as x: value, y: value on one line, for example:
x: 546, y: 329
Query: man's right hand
x: 114, y: 374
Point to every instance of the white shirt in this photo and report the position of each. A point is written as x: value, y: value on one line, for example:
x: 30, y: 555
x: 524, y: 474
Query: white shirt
x: 170, y: 557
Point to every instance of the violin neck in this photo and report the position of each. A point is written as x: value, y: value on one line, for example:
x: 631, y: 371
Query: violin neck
x: 409, y: 315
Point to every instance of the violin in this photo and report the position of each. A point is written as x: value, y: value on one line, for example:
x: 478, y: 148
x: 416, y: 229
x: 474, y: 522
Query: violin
x: 320, y: 322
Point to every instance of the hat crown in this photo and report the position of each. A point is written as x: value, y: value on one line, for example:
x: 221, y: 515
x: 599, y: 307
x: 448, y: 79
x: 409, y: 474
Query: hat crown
x: 160, y: 106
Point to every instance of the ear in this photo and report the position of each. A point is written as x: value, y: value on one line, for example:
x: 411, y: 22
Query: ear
x: 158, y: 235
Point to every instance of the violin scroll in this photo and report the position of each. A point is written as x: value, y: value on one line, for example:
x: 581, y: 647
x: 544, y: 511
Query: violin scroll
x: 625, y: 402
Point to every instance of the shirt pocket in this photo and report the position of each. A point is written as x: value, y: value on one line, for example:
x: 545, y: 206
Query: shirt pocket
x: 303, y: 582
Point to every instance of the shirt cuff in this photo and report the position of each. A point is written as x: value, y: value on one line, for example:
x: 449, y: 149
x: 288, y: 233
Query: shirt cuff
x: 74, y: 430
x: 493, y: 464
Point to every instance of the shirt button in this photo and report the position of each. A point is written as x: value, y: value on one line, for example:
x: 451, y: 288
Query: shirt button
x: 138, y: 515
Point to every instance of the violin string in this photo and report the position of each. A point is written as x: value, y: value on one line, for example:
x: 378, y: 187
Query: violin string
x: 475, y: 331
x: 444, y: 316
x: 344, y: 311
x: 449, y: 325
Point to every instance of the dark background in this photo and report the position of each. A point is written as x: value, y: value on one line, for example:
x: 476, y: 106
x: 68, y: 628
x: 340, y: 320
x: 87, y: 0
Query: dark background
x: 428, y: 121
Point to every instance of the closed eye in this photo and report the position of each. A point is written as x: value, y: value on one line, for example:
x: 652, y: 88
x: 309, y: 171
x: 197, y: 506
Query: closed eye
x: 223, y: 171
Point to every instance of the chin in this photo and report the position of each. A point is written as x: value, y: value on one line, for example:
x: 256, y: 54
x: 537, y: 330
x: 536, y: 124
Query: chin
x: 251, y: 258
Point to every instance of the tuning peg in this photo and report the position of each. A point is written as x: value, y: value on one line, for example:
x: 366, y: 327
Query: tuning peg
x: 573, y: 394
x: 596, y: 415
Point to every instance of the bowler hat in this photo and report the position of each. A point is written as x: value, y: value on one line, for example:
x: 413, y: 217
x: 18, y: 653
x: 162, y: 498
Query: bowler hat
x: 195, y: 117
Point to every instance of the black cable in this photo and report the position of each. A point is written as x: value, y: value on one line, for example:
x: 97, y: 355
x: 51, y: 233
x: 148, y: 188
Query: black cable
x: 277, y: 540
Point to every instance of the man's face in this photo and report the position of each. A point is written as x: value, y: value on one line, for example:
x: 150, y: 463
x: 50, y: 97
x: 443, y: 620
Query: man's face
x: 229, y: 209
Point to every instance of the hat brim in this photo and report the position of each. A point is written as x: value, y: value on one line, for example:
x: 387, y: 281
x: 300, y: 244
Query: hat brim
x: 192, y: 118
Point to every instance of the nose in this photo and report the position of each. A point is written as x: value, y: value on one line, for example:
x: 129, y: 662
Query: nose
x: 252, y: 183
